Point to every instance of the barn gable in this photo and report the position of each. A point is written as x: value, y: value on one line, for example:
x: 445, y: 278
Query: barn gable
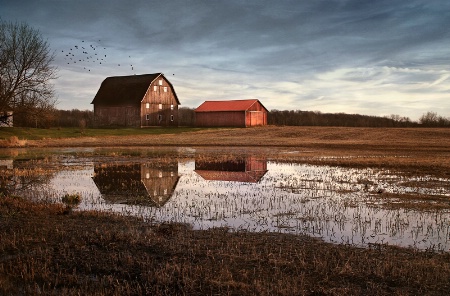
x: 136, y: 101
x: 239, y: 113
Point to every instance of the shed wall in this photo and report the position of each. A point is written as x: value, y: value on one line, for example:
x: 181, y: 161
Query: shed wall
x: 256, y: 115
x: 256, y: 118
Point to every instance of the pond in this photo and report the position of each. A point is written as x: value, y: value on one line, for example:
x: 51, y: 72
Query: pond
x: 248, y: 193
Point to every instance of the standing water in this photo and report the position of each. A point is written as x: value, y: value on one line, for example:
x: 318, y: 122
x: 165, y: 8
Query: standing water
x: 338, y: 205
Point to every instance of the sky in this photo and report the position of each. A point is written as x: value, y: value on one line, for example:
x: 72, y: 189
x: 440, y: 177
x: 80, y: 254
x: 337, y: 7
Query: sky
x: 365, y: 57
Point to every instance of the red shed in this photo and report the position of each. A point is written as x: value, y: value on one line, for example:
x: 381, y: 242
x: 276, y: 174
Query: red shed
x: 239, y: 113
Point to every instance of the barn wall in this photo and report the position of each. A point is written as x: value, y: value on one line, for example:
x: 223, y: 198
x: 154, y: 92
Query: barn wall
x: 120, y: 116
x: 256, y: 115
x: 236, y: 118
x: 257, y: 107
x: 159, y: 106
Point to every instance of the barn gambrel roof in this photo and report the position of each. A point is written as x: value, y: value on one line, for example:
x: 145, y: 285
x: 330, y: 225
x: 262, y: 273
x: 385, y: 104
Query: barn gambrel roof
x: 233, y: 105
x: 131, y: 89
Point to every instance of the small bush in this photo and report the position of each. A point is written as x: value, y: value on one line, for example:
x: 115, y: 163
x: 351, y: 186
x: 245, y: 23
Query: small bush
x: 14, y: 141
x: 71, y: 199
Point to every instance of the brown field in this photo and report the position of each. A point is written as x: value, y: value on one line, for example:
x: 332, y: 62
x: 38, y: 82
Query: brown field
x: 50, y: 250
x: 421, y: 150
x: 302, y: 137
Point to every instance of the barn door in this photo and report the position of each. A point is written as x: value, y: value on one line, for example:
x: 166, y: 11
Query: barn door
x: 161, y: 120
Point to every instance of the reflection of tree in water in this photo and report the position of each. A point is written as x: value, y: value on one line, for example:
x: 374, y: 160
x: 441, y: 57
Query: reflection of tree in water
x: 150, y: 184
x: 18, y: 177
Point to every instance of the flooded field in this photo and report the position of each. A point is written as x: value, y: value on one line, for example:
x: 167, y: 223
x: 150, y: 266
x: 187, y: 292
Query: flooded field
x: 242, y: 191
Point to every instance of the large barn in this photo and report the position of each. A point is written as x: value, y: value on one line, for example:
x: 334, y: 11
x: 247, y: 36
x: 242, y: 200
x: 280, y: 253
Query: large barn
x: 136, y: 101
x: 235, y: 113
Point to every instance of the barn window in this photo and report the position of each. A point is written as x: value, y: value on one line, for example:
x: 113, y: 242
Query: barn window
x: 160, y: 82
x: 171, y: 107
x: 171, y: 117
x: 165, y: 88
x: 147, y: 175
x: 160, y: 117
x: 160, y: 106
x: 155, y: 87
x: 147, y: 105
x: 147, y: 116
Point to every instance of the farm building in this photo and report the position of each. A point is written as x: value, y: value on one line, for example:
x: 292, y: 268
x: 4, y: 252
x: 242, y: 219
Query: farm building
x: 239, y: 113
x: 136, y: 101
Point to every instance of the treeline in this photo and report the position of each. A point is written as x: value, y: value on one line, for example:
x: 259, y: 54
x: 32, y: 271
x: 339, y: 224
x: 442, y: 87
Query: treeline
x: 186, y: 117
x: 74, y: 118
x: 432, y: 119
x: 55, y: 118
x: 315, y: 118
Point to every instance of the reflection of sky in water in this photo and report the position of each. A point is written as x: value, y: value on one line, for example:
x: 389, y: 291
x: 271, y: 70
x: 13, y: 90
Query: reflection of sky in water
x: 327, y: 202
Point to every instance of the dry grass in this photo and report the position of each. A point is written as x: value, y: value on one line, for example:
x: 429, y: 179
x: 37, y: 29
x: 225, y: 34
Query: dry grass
x: 44, y: 251
x: 13, y: 142
x: 418, y: 150
x: 317, y: 137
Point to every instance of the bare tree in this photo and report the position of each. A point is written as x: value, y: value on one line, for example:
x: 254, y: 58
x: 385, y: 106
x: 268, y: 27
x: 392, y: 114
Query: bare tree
x: 25, y: 71
x: 432, y: 119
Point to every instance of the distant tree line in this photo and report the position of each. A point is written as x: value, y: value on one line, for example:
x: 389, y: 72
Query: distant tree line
x: 74, y: 118
x: 56, y: 118
x: 316, y: 118
x: 186, y: 117
x: 432, y: 119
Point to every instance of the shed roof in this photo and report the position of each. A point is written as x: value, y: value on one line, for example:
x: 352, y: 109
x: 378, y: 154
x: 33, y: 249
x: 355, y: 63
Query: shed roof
x: 126, y: 89
x: 233, y: 105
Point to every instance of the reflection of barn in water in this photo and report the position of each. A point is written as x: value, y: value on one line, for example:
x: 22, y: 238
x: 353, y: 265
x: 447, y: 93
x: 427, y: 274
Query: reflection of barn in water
x: 150, y: 184
x: 249, y: 170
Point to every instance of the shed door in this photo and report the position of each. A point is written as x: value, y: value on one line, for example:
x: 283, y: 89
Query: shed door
x: 256, y: 118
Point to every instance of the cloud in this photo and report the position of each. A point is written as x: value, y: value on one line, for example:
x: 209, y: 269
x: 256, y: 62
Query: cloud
x: 352, y: 54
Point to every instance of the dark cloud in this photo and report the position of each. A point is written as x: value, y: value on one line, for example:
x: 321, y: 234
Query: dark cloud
x: 286, y: 40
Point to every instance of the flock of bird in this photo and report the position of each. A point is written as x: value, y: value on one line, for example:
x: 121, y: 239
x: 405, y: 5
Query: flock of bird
x: 88, y: 55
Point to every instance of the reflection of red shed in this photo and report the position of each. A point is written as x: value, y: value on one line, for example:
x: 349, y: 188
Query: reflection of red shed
x: 239, y: 113
x: 249, y: 170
